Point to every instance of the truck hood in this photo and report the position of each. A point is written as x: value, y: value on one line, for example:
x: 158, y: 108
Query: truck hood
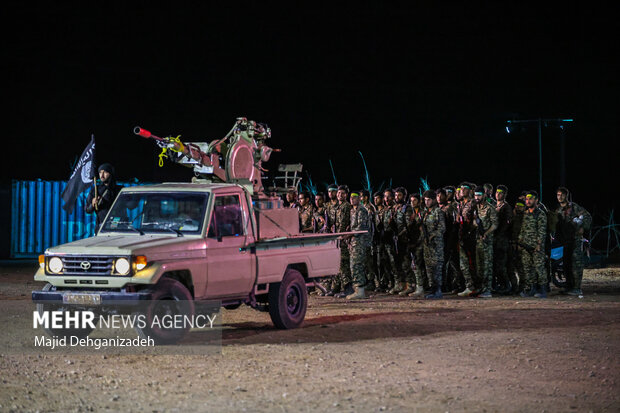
x: 153, y: 246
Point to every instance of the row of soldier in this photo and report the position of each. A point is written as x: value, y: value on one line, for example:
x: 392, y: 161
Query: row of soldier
x: 466, y: 240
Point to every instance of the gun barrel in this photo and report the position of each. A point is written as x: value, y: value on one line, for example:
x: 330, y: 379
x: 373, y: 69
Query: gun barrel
x: 145, y: 134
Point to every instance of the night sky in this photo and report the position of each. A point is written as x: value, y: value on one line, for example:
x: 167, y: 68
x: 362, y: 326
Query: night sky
x: 421, y: 92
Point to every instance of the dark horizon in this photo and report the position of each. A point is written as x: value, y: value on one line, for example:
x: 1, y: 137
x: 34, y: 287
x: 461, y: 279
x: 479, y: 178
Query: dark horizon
x: 421, y: 93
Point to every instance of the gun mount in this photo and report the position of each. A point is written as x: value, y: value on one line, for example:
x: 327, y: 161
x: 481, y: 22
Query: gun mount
x: 235, y: 158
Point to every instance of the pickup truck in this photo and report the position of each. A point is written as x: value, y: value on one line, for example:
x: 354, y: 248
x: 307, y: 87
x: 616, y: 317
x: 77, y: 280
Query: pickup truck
x: 192, y: 241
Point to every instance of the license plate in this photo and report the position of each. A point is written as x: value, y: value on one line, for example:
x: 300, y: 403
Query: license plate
x: 75, y: 298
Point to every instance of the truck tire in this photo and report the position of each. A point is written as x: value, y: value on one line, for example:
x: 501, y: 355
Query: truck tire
x: 170, y: 297
x: 288, y: 300
x: 61, y: 332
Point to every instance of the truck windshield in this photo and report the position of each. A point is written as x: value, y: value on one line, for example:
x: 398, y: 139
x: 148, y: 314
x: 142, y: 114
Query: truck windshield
x: 149, y: 212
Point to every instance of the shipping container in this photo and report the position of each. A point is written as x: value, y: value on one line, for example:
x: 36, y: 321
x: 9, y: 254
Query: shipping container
x: 38, y: 220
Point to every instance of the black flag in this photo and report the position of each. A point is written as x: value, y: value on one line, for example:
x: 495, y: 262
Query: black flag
x: 81, y: 178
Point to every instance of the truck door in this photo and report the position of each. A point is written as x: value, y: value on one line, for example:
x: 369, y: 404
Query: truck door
x: 229, y: 263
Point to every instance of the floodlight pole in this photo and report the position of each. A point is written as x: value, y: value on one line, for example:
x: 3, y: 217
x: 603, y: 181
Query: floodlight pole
x: 540, y: 125
x: 540, y: 193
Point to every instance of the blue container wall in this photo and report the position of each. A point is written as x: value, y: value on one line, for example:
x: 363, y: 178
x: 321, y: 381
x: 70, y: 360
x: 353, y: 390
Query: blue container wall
x: 38, y: 220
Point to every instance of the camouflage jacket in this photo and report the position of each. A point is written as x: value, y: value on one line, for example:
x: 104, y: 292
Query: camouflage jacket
x: 449, y: 210
x: 402, y: 213
x: 504, y: 218
x: 465, y: 216
x: 330, y: 209
x: 306, y: 218
x: 343, y: 217
x: 372, y: 211
x: 434, y: 223
x: 533, y: 229
x: 377, y: 218
x: 488, y: 218
x: 414, y: 227
x: 388, y: 223
x: 360, y: 221
x: 567, y: 229
x: 320, y: 218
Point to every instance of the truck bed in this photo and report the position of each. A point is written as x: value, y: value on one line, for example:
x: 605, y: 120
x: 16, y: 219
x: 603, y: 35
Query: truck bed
x: 319, y: 253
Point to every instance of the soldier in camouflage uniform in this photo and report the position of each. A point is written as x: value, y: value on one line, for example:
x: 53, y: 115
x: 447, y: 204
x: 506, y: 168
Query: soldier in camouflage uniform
x: 371, y: 273
x: 488, y: 193
x: 572, y: 221
x: 501, y: 244
x: 388, y: 231
x: 434, y: 228
x: 306, y: 213
x: 330, y: 226
x: 331, y: 284
x: 331, y: 207
x: 291, y: 199
x: 415, y: 247
x: 531, y: 244
x: 450, y: 194
x: 485, y: 221
x: 517, y: 220
x: 381, y: 281
x: 343, y: 224
x: 358, y: 245
x: 467, y: 239
x: 402, y: 213
x: 320, y: 217
x: 451, y: 273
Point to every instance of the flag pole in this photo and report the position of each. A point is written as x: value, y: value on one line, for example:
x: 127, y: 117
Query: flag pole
x: 95, y: 198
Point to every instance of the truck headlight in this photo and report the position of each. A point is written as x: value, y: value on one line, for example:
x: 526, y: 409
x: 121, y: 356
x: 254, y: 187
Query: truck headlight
x: 55, y: 265
x: 122, y: 266
x: 140, y: 262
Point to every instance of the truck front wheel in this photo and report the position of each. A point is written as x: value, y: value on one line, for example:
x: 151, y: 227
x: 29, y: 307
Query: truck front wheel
x: 288, y: 300
x: 170, y: 298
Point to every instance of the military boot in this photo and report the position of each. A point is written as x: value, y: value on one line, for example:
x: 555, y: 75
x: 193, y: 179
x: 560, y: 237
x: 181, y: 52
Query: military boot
x: 398, y: 287
x: 358, y: 294
x: 335, y: 289
x: 408, y: 290
x: 378, y: 287
x: 346, y: 291
x: 434, y: 295
x: 541, y: 293
x: 529, y: 292
x: 419, y: 292
x: 466, y: 293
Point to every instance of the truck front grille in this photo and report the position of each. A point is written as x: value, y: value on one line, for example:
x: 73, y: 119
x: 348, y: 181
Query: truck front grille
x: 87, y: 265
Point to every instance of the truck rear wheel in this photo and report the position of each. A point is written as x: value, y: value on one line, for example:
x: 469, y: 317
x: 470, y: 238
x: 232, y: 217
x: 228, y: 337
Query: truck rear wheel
x: 170, y: 297
x: 288, y: 300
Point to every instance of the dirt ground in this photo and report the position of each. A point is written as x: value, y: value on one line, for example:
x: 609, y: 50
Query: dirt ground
x: 382, y: 354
